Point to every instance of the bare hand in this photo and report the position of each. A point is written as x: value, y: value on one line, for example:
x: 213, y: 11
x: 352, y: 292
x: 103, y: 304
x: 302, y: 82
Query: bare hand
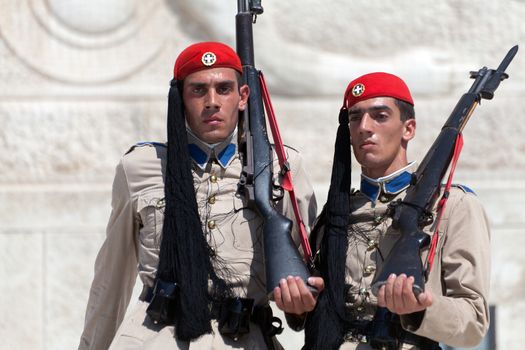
x: 398, y: 297
x: 293, y: 296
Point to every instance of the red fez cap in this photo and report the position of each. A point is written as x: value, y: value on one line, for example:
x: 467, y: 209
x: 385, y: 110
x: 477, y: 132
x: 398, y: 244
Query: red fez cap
x: 203, y: 56
x: 376, y: 85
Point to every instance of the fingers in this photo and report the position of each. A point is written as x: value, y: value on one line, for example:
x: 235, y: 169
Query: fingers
x: 389, y: 292
x: 303, y: 298
x: 425, y: 299
x: 286, y: 294
x: 408, y: 292
x: 317, y: 283
x: 397, y: 295
x: 277, y: 297
x: 294, y: 296
x: 399, y: 284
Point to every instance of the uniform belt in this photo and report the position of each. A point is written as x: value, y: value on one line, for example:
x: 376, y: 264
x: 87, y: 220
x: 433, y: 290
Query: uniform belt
x: 385, y: 332
x: 261, y: 315
x: 146, y: 294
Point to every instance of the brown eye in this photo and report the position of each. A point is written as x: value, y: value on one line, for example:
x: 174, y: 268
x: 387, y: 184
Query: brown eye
x: 354, y: 117
x: 381, y: 117
x: 226, y: 89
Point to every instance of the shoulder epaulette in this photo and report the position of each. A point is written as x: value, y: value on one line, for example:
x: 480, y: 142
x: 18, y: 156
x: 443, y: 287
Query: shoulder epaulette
x: 464, y: 188
x: 146, y: 143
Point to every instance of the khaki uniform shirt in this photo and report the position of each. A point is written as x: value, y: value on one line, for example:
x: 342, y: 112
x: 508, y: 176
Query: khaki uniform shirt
x: 133, y: 242
x: 458, y: 281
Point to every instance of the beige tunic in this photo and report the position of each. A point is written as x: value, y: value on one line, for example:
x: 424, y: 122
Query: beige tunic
x: 133, y: 242
x: 459, y: 280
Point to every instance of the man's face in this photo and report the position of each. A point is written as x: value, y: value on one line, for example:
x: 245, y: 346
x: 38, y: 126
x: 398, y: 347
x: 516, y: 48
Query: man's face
x: 212, y: 101
x: 379, y: 137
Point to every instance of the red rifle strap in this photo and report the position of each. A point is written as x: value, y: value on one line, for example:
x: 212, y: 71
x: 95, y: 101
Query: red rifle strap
x: 285, y: 168
x: 442, y: 203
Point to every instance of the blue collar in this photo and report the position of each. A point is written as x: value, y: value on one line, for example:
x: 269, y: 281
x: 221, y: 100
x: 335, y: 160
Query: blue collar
x: 201, y: 152
x: 394, y: 183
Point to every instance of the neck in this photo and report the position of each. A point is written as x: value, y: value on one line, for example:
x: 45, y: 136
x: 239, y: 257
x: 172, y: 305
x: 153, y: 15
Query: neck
x: 391, y: 168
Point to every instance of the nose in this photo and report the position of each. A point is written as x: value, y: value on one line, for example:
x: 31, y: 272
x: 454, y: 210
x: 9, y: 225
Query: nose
x: 366, y: 123
x: 212, y: 99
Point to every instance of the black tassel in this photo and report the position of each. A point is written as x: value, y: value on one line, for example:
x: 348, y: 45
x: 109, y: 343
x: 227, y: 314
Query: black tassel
x: 184, y: 253
x: 325, y: 327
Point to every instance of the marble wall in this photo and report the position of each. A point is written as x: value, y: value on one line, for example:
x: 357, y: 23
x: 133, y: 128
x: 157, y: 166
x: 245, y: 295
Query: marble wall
x: 82, y: 81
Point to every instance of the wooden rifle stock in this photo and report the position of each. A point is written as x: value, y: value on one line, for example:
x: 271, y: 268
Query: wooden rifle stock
x: 413, y: 213
x: 282, y: 259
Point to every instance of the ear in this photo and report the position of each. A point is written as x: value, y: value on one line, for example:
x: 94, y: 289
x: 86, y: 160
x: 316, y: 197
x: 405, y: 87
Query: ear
x: 409, y: 129
x: 244, y: 91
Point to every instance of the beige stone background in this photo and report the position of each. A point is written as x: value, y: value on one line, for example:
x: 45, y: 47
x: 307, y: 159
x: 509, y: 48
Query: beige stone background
x: 82, y: 81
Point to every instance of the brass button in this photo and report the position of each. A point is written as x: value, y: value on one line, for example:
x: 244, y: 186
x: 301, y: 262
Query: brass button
x: 213, y: 178
x: 372, y: 244
x: 362, y: 291
x: 212, y: 199
x: 369, y: 269
x: 383, y: 198
x: 378, y: 219
x: 160, y: 204
x: 211, y: 224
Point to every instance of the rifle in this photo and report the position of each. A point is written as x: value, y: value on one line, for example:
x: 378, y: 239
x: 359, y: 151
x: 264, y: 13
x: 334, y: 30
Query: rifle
x: 281, y: 256
x: 414, y: 212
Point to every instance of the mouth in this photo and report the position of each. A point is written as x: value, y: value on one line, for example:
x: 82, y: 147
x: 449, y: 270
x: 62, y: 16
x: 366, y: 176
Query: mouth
x: 367, y: 145
x: 213, y: 120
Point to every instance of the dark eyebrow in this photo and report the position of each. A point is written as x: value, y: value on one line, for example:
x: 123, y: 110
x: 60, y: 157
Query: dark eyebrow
x: 373, y: 108
x: 201, y: 84
x: 226, y: 82
x: 196, y: 84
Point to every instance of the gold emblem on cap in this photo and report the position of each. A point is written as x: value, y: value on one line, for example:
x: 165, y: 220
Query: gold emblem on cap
x: 208, y: 59
x: 358, y: 89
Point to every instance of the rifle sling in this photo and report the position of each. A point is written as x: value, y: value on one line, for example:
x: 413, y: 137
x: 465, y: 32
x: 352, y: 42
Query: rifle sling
x: 285, y: 169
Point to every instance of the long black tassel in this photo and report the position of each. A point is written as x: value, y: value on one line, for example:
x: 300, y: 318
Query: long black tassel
x: 325, y: 327
x: 184, y: 253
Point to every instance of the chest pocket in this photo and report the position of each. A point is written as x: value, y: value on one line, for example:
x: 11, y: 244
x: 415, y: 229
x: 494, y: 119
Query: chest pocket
x: 150, y: 207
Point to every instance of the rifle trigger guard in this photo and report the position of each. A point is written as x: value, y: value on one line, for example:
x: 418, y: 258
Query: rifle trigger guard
x: 285, y: 167
x: 280, y: 195
x: 426, y: 218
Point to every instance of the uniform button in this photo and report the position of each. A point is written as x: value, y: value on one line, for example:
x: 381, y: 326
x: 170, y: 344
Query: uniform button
x: 212, y: 199
x: 369, y: 269
x: 378, y: 219
x: 360, y: 309
x: 372, y: 244
x: 362, y: 291
x: 383, y: 198
x: 211, y: 224
x: 213, y: 178
x: 160, y: 204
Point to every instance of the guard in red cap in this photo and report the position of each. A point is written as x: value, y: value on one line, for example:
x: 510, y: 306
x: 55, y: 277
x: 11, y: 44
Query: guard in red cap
x: 178, y: 216
x: 355, y: 232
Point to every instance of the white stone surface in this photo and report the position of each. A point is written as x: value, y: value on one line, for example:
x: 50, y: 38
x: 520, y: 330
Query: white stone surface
x: 22, y: 290
x: 83, y: 81
x: 69, y: 263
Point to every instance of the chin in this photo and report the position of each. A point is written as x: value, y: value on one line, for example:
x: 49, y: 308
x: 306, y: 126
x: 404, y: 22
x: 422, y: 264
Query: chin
x: 215, y: 137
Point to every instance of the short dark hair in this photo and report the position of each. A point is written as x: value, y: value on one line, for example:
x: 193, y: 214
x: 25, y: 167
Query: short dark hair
x: 406, y: 109
x: 240, y: 80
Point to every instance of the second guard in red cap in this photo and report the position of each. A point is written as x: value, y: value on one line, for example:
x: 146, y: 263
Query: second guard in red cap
x: 354, y: 235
